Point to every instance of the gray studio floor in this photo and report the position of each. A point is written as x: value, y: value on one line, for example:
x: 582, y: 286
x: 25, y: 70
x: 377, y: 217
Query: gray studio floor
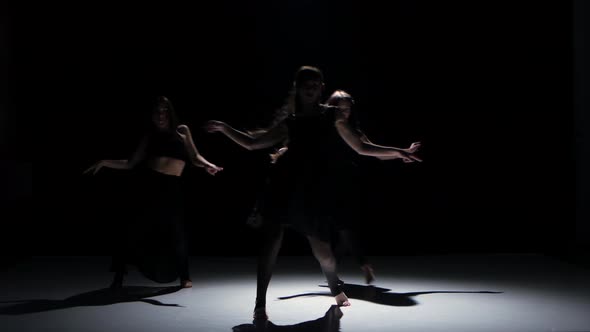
x: 421, y: 293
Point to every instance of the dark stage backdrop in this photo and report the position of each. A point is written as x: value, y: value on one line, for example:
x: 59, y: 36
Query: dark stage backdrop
x: 582, y: 145
x: 487, y: 86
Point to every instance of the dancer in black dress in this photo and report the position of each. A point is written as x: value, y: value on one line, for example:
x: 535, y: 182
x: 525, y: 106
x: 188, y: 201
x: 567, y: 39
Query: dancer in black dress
x: 155, y: 239
x: 301, y: 187
x: 348, y: 191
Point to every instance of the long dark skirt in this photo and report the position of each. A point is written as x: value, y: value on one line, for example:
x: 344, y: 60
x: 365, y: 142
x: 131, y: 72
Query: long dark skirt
x: 314, y: 202
x: 154, y: 235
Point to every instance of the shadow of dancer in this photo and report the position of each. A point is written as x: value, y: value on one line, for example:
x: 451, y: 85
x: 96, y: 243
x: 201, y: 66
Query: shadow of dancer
x: 383, y: 295
x: 98, y: 297
x: 330, y: 322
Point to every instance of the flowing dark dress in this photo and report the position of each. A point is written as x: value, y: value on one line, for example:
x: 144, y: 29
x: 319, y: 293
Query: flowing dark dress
x: 313, y: 187
x: 155, y: 239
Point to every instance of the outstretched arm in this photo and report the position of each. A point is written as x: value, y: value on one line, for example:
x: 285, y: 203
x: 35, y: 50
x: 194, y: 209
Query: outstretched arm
x: 195, y: 157
x: 412, y: 149
x: 126, y: 164
x: 363, y: 146
x: 248, y: 141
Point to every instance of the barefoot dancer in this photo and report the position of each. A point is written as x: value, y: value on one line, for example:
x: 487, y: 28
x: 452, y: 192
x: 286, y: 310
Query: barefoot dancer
x: 156, y: 238
x: 301, y: 185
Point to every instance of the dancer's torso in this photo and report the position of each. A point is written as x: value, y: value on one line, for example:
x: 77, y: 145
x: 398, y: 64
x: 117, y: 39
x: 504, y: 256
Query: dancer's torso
x: 166, y: 153
x: 314, y: 143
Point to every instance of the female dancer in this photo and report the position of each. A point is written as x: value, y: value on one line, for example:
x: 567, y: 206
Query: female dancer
x: 348, y: 192
x: 158, y: 237
x: 301, y: 190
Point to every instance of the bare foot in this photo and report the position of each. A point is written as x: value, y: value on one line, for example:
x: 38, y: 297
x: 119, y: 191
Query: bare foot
x: 186, y: 284
x: 342, y: 300
x: 260, y: 314
x: 369, y: 273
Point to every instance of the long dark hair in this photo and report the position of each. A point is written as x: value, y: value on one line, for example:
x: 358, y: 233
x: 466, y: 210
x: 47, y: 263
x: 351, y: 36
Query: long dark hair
x: 173, y: 121
x: 340, y: 95
x: 291, y: 103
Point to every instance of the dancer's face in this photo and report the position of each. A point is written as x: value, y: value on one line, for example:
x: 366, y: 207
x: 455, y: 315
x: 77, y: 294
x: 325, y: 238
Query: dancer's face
x: 345, y: 107
x: 161, y: 117
x: 310, y: 91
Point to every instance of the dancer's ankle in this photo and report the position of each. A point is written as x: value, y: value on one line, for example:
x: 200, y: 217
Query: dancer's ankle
x: 260, y: 311
x: 369, y: 273
x: 342, y: 300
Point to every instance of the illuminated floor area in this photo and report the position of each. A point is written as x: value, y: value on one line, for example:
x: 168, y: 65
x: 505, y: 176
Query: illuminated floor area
x: 436, y: 293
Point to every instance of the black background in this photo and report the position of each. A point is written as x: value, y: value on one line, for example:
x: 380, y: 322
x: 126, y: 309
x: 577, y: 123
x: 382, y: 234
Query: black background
x: 487, y: 86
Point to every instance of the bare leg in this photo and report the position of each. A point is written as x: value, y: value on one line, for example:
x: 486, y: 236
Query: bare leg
x: 323, y: 253
x: 273, y: 237
x: 349, y: 240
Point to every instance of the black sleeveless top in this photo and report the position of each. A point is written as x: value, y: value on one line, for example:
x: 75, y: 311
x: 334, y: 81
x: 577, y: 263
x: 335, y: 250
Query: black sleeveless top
x: 314, y: 142
x: 311, y: 187
x: 166, y: 144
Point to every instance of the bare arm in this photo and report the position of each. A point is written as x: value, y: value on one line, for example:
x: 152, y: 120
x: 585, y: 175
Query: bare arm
x: 251, y: 142
x: 365, y: 139
x: 125, y: 164
x: 412, y: 149
x: 363, y: 146
x: 115, y: 164
x: 195, y: 157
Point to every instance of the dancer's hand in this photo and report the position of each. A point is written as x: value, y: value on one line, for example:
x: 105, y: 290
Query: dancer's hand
x: 414, y: 147
x: 275, y: 156
x: 213, y: 169
x: 409, y: 157
x: 213, y: 126
x: 95, y: 168
x: 183, y: 132
x: 409, y: 154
